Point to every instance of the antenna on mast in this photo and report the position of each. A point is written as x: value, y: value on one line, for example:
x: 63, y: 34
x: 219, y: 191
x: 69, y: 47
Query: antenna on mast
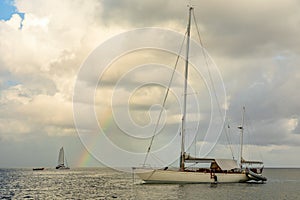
x: 190, y: 4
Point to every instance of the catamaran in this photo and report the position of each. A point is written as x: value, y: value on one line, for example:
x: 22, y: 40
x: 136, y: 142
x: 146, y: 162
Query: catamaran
x: 218, y: 170
x: 61, y: 160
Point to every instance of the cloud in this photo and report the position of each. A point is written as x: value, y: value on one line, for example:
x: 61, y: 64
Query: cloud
x: 141, y: 14
x: 39, y: 63
x: 254, y: 43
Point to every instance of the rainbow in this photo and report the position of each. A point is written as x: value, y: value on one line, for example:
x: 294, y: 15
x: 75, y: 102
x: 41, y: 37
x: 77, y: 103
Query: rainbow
x: 85, y: 158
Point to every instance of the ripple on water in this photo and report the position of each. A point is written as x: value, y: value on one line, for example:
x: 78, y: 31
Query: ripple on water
x: 101, y: 183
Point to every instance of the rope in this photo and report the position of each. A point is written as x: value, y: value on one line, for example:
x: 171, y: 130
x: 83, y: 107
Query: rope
x: 164, y: 101
x: 229, y: 141
x: 251, y: 130
x: 210, y: 77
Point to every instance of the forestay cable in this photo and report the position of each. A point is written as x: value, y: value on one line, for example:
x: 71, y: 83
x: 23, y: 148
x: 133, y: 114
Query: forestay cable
x: 164, y: 101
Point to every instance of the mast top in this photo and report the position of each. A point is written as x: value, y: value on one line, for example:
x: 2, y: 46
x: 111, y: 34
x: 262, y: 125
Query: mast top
x: 191, y: 7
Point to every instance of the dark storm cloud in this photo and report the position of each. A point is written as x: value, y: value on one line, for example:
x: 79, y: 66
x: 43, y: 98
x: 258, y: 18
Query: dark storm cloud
x: 142, y: 13
x: 235, y: 28
x: 258, y: 42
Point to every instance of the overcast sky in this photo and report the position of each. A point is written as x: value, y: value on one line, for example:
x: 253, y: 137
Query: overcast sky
x: 254, y: 44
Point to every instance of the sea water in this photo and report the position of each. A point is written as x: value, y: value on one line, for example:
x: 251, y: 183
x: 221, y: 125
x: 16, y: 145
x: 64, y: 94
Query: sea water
x: 104, y: 183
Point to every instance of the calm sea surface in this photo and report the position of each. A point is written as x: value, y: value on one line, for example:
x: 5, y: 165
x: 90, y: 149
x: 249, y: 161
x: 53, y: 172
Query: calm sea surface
x: 103, y: 183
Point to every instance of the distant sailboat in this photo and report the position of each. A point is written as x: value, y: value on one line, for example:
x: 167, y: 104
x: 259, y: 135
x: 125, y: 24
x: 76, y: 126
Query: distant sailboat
x: 61, y: 160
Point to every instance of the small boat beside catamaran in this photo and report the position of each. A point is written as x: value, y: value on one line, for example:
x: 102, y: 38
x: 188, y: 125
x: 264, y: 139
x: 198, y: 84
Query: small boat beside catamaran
x: 61, y: 160
x: 217, y: 170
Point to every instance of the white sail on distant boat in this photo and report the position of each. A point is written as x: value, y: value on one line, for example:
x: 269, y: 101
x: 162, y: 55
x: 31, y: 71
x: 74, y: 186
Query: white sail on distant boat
x: 61, y: 160
x: 219, y: 170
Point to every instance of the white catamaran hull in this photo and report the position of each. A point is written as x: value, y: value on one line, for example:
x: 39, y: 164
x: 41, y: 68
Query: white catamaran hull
x: 172, y: 176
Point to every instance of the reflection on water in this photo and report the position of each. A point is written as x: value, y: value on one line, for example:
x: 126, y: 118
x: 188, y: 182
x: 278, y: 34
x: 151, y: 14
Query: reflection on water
x: 103, y: 183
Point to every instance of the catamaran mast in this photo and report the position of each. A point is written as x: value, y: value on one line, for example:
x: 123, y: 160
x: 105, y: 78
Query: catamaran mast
x: 183, y: 127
